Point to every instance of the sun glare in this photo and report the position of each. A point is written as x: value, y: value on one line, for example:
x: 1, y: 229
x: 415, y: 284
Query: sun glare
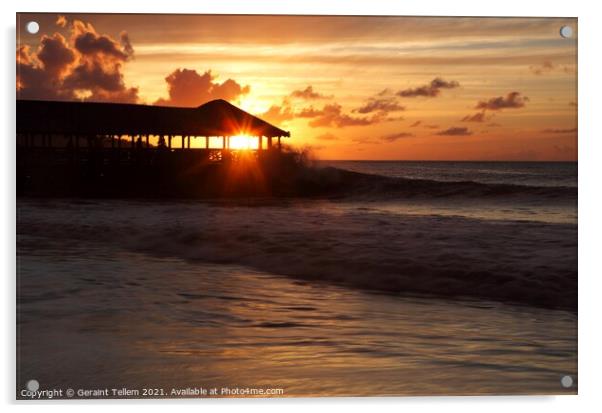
x: 243, y: 142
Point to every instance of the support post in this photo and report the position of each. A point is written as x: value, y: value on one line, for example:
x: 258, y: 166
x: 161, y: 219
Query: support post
x: 188, y: 143
x: 183, y: 141
x: 269, y: 142
x: 259, y: 143
x: 206, y: 142
x: 169, y: 141
x: 279, y: 144
x: 147, y: 143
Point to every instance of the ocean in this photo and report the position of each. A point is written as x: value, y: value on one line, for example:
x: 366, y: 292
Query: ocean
x: 535, y: 174
x: 513, y: 191
x: 453, y: 278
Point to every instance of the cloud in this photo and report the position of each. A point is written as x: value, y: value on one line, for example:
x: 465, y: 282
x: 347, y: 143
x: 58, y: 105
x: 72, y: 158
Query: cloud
x: 331, y: 115
x: 542, y: 68
x: 86, y: 66
x: 308, y: 94
x: 90, y: 43
x: 433, y: 89
x: 376, y: 109
x: 380, y: 105
x: 548, y: 67
x: 477, y: 117
x: 309, y: 112
x: 55, y: 55
x: 61, y: 21
x: 415, y: 124
x: 512, y: 100
x: 396, y: 136
x: 365, y: 141
x: 278, y: 114
x: 560, y: 131
x: 327, y: 137
x: 127, y: 45
x: 455, y: 131
x: 188, y: 88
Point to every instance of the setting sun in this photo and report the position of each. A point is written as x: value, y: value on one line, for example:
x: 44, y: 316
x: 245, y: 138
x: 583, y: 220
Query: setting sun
x: 243, y: 142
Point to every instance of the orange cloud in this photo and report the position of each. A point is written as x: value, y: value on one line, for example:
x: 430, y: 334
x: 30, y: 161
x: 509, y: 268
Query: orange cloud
x: 560, y: 131
x: 308, y: 94
x: 455, y: 131
x: 327, y: 137
x: 61, y: 21
x: 332, y: 115
x: 380, y: 105
x: 278, y: 114
x: 87, y: 65
x: 477, y: 117
x: 512, y: 100
x: 433, y: 89
x: 187, y: 88
x: 396, y: 136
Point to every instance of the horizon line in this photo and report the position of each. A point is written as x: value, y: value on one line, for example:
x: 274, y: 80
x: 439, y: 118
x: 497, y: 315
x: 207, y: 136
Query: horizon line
x: 440, y: 160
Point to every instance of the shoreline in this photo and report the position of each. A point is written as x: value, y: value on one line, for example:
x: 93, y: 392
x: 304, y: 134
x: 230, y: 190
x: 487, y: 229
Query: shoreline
x: 523, y: 262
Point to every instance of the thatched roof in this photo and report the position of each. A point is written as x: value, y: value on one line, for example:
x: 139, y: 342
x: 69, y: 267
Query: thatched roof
x: 215, y: 118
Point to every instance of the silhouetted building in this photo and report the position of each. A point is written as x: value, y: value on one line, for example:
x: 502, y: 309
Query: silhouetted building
x: 44, y: 123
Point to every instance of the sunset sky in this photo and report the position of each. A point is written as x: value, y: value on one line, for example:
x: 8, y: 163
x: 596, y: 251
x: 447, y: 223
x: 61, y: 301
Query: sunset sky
x: 348, y: 87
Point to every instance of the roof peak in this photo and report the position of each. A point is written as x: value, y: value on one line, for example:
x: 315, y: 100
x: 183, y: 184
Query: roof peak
x: 215, y: 101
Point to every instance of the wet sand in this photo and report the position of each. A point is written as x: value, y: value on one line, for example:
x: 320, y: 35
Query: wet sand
x: 94, y: 316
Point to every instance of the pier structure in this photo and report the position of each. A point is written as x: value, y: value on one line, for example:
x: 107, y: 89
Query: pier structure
x: 62, y: 132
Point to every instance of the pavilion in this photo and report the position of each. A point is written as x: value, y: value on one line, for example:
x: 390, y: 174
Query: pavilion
x: 39, y: 122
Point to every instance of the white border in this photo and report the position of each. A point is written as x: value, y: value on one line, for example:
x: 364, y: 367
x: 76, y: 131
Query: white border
x: 590, y: 207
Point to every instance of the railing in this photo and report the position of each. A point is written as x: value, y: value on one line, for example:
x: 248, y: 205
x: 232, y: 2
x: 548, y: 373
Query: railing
x: 129, y: 155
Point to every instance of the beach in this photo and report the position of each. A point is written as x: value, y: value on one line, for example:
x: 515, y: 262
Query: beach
x: 95, y: 316
x: 342, y: 296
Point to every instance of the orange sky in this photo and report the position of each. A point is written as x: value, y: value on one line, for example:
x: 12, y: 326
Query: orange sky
x: 348, y: 87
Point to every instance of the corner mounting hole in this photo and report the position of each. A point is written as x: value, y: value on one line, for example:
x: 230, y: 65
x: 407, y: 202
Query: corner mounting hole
x: 566, y: 32
x: 32, y: 27
x: 566, y: 381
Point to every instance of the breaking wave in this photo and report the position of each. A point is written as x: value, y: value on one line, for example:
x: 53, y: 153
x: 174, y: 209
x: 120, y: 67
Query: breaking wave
x: 533, y: 263
x: 367, y: 186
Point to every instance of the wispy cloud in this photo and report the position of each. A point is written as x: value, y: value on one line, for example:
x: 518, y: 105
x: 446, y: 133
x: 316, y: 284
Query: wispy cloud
x: 560, y: 131
x: 512, y: 100
x: 308, y: 94
x: 380, y: 105
x: 327, y: 137
x: 455, y: 131
x: 477, y: 117
x: 433, y: 89
x: 396, y: 136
